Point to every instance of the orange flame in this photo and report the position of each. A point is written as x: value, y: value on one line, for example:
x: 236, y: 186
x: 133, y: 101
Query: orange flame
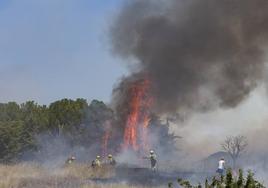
x: 136, y: 130
x: 105, y: 139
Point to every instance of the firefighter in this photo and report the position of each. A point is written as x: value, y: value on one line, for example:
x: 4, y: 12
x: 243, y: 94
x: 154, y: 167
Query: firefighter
x: 96, y: 162
x: 153, y: 160
x: 111, y: 160
x: 93, y: 164
x: 70, y: 160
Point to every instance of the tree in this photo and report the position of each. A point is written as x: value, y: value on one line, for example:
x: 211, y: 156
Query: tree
x: 14, y: 140
x: 35, y: 117
x: 235, y: 146
x: 66, y: 115
x: 98, y: 125
x: 79, y: 123
x: 10, y: 111
x: 240, y: 181
x: 168, y: 142
x: 250, y: 180
x: 206, y: 184
x: 227, y: 182
x: 229, y: 179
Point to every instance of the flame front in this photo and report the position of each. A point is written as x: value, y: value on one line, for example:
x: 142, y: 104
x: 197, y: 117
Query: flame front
x: 105, y: 138
x: 136, y: 129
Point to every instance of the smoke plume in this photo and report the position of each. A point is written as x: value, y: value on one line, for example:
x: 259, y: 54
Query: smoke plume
x: 199, y: 55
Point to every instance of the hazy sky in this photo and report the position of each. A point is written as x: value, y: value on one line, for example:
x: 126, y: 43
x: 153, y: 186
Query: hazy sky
x: 51, y: 49
x: 203, y: 133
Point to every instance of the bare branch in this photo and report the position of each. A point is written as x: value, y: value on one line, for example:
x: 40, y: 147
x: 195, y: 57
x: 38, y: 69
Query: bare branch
x: 235, y: 146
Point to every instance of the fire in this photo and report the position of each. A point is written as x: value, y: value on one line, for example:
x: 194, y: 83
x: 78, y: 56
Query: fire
x: 105, y: 139
x: 136, y: 129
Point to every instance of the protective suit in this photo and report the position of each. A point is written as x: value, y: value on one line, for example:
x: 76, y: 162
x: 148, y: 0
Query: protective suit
x: 96, y: 162
x: 153, y: 160
x: 111, y: 160
x: 70, y: 160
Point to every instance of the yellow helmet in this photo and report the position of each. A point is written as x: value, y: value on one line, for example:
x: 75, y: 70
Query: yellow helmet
x: 98, y: 157
x: 110, y: 156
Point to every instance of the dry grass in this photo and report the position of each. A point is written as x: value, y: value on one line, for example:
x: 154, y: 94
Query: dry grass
x: 10, y: 176
x: 73, y: 176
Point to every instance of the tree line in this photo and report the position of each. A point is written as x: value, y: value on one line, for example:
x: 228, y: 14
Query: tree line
x: 81, y: 123
x: 76, y: 120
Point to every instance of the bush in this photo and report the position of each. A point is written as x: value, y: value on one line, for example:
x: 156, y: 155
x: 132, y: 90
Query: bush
x: 227, y: 181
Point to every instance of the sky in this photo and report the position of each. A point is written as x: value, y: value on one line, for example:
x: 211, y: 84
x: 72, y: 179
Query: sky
x: 54, y: 49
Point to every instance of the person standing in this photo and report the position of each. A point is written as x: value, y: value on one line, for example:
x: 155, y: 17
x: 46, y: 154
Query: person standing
x: 221, y: 166
x: 153, y: 160
x: 97, y: 162
x: 111, y: 160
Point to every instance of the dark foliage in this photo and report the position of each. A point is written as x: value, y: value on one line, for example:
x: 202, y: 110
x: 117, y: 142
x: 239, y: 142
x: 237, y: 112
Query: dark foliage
x: 227, y: 181
x: 79, y: 123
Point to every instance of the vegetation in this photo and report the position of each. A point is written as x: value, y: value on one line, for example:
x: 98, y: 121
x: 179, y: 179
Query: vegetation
x: 24, y: 127
x: 33, y: 175
x: 227, y: 181
x: 75, y: 120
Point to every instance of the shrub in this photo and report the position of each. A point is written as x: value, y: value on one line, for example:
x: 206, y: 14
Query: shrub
x: 227, y: 181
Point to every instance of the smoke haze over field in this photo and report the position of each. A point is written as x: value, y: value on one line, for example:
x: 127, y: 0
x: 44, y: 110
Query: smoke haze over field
x: 200, y: 130
x: 198, y: 54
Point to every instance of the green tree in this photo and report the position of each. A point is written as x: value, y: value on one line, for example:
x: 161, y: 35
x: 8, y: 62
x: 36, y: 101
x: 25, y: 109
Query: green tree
x: 75, y: 120
x: 99, y: 120
x: 10, y: 111
x: 240, y: 181
x: 214, y: 182
x: 250, y: 182
x: 66, y: 115
x: 170, y: 185
x: 206, y: 184
x: 229, y: 179
x: 14, y: 140
x: 36, y: 117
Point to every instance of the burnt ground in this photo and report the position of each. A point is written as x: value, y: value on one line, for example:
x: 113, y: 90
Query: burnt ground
x: 82, y: 176
x: 145, y: 176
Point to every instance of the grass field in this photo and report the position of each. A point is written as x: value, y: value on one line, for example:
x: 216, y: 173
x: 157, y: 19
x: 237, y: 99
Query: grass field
x: 36, y: 176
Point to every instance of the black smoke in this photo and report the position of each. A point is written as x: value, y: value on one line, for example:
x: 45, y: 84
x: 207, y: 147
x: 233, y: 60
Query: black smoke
x: 198, y: 54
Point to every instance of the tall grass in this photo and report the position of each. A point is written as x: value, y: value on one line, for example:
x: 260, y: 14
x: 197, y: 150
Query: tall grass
x: 36, y: 176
